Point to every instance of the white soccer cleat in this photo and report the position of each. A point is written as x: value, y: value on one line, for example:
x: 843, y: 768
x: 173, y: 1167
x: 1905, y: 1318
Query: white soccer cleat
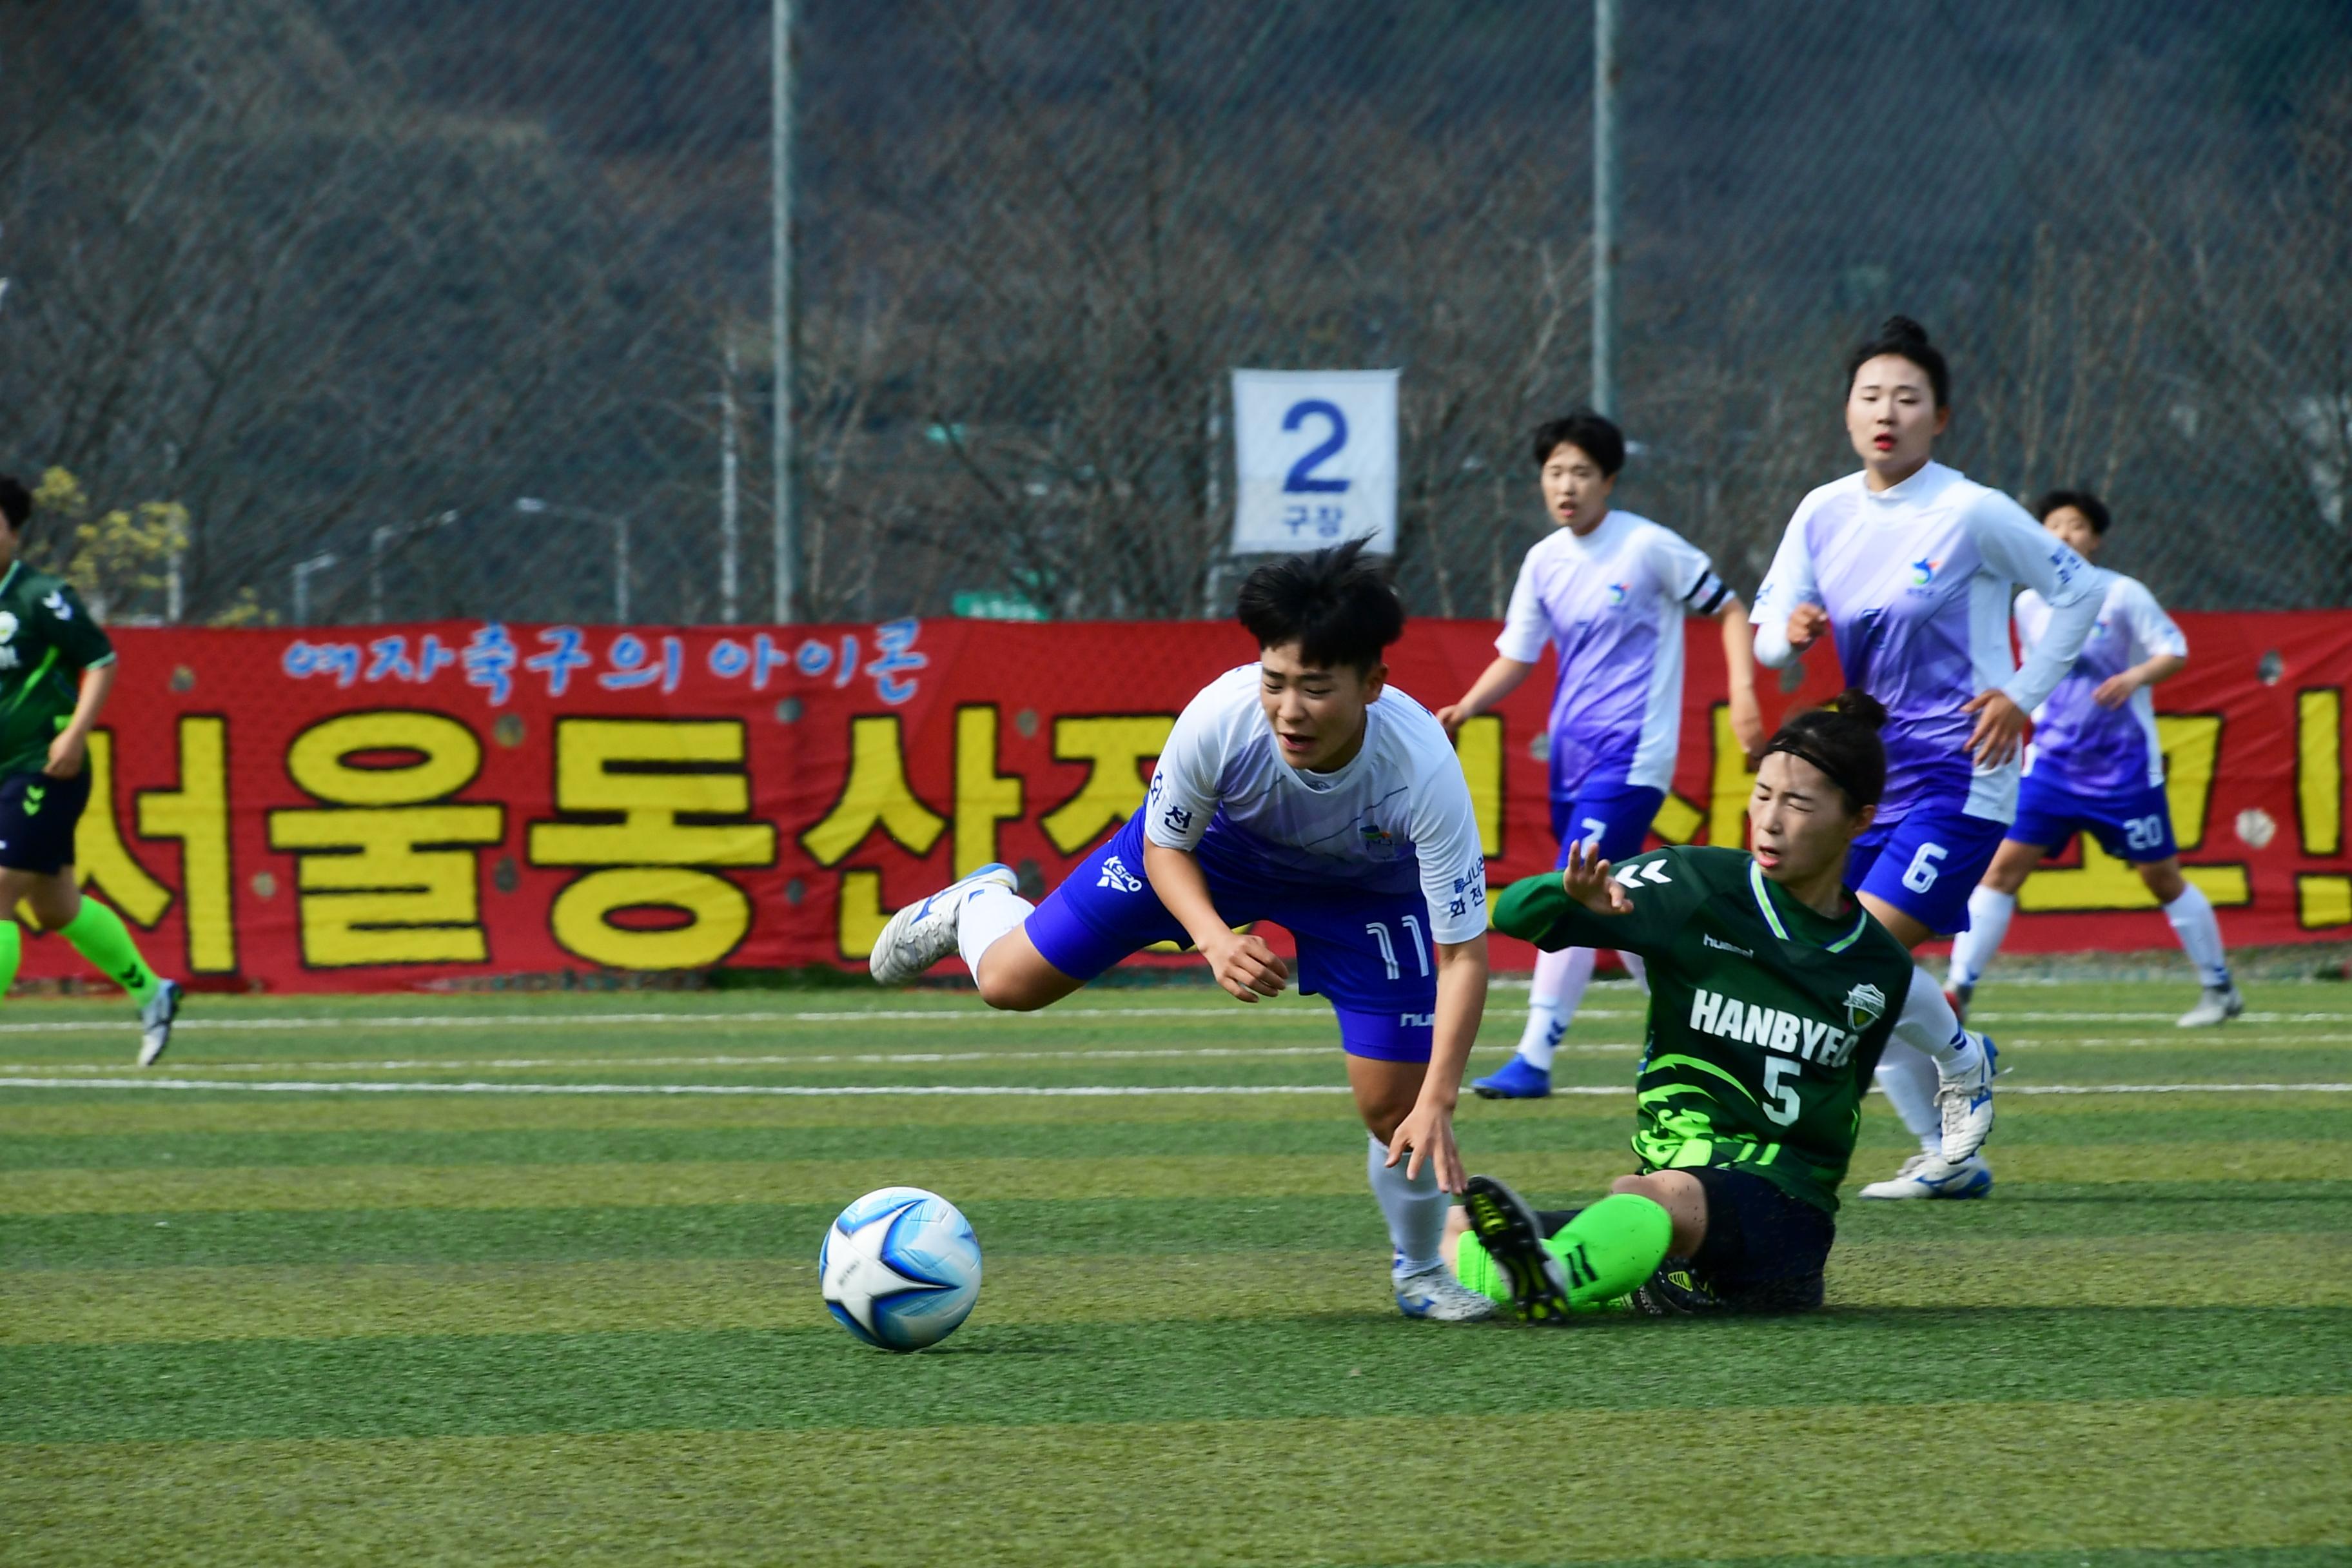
x: 1964, y: 1100
x: 1933, y: 1177
x: 2217, y: 1006
x: 1436, y: 1295
x: 921, y: 935
x: 155, y: 1022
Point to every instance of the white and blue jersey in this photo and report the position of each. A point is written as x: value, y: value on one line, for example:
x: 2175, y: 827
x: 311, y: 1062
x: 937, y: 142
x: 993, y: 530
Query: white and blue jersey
x: 2077, y: 744
x: 1612, y: 605
x: 1368, y: 867
x: 1917, y: 580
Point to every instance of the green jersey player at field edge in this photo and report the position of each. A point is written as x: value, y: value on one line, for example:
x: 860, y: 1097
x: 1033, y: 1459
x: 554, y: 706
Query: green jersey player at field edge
x: 56, y: 669
x: 1773, y: 992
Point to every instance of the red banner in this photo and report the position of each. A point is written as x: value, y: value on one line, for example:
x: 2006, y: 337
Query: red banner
x: 386, y: 807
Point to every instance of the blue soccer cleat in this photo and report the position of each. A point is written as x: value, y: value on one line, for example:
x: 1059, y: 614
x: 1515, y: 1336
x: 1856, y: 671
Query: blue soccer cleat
x: 1518, y: 1079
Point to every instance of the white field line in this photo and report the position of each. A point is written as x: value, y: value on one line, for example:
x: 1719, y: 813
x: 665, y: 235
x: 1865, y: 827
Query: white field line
x: 588, y: 1020
x: 1073, y: 1091
x: 1990, y: 1017
x: 586, y: 1062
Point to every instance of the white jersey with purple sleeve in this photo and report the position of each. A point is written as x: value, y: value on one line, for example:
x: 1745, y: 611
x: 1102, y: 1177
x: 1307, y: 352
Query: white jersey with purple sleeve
x: 1397, y: 816
x: 1612, y: 605
x: 2077, y: 744
x: 1916, y: 579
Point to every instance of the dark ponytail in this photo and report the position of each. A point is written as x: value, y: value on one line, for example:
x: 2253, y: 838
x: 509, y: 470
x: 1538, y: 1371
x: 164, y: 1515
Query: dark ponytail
x: 1841, y: 738
x: 1905, y: 339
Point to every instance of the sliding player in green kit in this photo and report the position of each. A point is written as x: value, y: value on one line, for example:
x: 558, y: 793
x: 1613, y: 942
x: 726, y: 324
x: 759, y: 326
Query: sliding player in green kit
x: 56, y: 669
x: 1771, y: 994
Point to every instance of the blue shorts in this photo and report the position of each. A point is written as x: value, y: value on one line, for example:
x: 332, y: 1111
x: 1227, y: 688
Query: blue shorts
x: 1368, y: 950
x: 2137, y: 828
x: 1926, y: 863
x: 1616, y: 816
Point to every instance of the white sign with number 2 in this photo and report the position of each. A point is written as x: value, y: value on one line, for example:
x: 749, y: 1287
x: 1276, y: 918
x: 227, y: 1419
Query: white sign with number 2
x: 1317, y: 453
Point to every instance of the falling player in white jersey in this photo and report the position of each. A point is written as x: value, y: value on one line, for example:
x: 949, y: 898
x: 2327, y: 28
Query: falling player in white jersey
x: 2096, y: 765
x: 1307, y: 791
x: 1608, y: 591
x: 1910, y: 565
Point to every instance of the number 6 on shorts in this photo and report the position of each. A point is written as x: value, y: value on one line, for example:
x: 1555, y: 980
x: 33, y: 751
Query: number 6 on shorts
x: 1920, y: 875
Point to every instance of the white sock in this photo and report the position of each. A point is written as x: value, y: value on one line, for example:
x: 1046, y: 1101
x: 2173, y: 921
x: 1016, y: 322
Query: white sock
x: 1909, y: 1081
x: 990, y: 910
x: 1974, y: 948
x: 2191, y: 915
x: 1637, y: 969
x: 1415, y: 1210
x: 1552, y: 999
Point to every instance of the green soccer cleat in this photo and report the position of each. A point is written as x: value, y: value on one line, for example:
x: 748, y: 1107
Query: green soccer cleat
x: 1513, y: 1240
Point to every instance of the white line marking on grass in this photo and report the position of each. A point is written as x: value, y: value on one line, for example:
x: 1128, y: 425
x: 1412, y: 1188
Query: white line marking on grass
x: 571, y: 1020
x: 1076, y: 1091
x: 1992, y: 1017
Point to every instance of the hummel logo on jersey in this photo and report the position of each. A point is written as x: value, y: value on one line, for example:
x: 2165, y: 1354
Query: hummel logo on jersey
x: 1417, y: 1020
x: 56, y: 605
x: 1116, y: 876
x: 1708, y: 939
x: 1634, y: 875
x: 1751, y: 1023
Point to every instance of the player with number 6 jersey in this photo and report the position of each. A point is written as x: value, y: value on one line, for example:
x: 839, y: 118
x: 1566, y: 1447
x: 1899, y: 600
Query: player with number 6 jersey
x: 1772, y: 993
x: 1911, y: 565
x: 1305, y: 791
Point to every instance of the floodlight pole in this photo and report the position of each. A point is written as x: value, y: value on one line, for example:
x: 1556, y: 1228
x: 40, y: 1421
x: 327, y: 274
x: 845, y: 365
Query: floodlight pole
x: 780, y: 242
x: 730, y: 499
x: 1607, y: 244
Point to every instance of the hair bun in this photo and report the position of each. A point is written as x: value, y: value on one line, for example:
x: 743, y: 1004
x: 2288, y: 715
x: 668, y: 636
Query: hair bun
x: 1860, y: 706
x: 1902, y: 329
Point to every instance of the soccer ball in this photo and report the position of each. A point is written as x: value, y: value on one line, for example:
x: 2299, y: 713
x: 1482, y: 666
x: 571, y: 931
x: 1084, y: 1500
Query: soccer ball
x: 900, y: 1267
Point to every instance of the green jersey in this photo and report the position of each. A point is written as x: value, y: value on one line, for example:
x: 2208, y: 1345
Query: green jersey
x: 1766, y: 1018
x: 47, y: 640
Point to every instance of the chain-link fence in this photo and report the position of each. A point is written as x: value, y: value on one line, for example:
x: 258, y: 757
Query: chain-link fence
x: 461, y: 307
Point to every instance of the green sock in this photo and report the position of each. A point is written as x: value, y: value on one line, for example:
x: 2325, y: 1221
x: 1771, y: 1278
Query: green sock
x: 1611, y: 1249
x: 12, y: 950
x: 1476, y: 1271
x: 99, y: 934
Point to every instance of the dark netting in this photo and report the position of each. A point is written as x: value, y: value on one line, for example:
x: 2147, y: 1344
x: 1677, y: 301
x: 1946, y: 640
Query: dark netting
x: 446, y: 307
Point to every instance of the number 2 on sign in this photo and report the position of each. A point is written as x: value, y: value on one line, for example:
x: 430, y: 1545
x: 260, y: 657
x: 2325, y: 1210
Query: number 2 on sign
x: 1301, y: 480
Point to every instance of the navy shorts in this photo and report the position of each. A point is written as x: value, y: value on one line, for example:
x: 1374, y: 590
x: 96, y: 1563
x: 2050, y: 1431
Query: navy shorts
x: 1926, y: 863
x: 2137, y: 828
x: 1368, y: 950
x: 37, y: 818
x: 1614, y: 816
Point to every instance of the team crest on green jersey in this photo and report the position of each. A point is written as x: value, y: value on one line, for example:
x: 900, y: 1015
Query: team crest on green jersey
x: 1865, y: 1005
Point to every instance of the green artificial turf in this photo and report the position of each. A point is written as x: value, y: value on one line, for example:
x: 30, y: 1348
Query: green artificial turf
x: 319, y: 1325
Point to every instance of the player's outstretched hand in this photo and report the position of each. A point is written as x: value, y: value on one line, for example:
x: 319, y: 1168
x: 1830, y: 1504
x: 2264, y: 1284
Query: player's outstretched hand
x: 1806, y: 625
x: 1428, y: 1134
x: 1245, y: 966
x: 2001, y: 727
x: 1587, y: 881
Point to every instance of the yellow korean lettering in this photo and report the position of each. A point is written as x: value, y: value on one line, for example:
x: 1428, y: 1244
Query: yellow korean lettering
x: 861, y: 915
x: 2323, y: 901
x: 650, y: 773
x: 1479, y: 745
x: 387, y: 872
x: 1115, y: 749
x: 101, y: 858
x: 984, y: 798
x: 196, y: 813
x: 1730, y: 783
x: 2319, y: 770
x: 875, y: 794
x: 716, y: 916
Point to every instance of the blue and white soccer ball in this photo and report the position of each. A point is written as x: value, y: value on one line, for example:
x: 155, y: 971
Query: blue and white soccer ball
x: 900, y: 1267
